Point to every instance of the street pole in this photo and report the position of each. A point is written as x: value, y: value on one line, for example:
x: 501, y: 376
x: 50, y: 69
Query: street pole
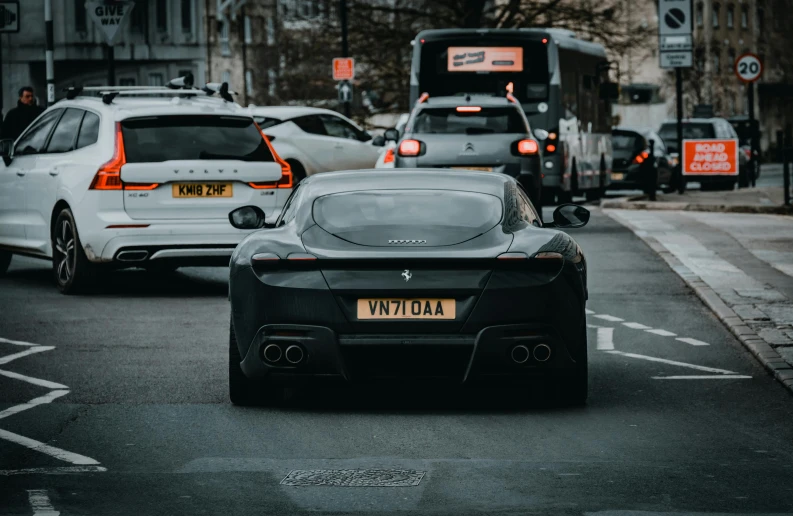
x: 344, y: 49
x: 681, y: 187
x: 784, y: 156
x: 48, y: 52
x: 1, y: 77
x: 753, y: 142
x: 111, y: 65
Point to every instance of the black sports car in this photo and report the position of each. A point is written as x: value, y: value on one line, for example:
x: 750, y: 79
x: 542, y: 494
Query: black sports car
x: 420, y: 274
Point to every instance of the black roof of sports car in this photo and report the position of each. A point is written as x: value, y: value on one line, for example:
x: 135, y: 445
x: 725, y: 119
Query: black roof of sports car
x: 406, y: 178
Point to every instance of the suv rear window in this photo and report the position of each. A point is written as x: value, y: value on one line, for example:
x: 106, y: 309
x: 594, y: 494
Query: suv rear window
x: 487, y: 121
x: 189, y: 137
x: 691, y: 131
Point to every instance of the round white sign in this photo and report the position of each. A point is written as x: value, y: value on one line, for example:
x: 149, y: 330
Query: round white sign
x: 748, y: 67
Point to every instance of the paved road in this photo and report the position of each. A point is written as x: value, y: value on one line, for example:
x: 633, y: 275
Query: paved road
x: 145, y: 427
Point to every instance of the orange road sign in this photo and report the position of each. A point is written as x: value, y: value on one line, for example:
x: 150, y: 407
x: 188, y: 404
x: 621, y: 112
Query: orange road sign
x: 710, y: 157
x: 343, y: 68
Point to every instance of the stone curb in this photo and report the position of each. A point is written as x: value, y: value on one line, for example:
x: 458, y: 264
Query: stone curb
x: 639, y: 203
x: 765, y: 354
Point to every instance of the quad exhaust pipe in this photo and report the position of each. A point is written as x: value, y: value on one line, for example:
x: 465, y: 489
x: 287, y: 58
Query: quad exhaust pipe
x: 521, y: 354
x: 273, y: 353
x: 294, y: 354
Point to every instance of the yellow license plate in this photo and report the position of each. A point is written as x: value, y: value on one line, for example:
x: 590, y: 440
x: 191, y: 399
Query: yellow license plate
x: 406, y: 308
x: 481, y: 169
x: 617, y: 176
x: 202, y: 190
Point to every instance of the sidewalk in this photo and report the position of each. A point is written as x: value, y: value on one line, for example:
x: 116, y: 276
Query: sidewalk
x: 767, y: 197
x: 740, y: 265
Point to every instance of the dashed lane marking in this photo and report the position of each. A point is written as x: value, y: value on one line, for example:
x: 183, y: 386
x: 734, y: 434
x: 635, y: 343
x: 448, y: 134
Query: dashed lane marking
x: 693, y: 342
x: 40, y: 503
x: 32, y: 403
x: 605, y: 339
x: 662, y: 333
x: 30, y: 379
x: 704, y: 377
x: 636, y: 326
x: 672, y: 362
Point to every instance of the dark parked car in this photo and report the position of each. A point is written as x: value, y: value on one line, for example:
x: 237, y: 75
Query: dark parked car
x: 426, y: 275
x: 633, y: 165
x: 705, y: 129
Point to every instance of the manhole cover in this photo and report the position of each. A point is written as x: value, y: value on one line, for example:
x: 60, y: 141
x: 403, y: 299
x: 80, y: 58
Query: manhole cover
x: 354, y: 477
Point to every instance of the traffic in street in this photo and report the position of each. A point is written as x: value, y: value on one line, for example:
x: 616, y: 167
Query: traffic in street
x: 499, y: 274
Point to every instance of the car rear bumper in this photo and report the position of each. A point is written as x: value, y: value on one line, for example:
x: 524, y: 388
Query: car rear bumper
x: 484, y: 359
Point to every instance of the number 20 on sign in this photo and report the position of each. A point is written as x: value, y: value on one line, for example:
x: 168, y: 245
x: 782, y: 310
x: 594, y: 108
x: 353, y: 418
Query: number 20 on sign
x: 748, y: 67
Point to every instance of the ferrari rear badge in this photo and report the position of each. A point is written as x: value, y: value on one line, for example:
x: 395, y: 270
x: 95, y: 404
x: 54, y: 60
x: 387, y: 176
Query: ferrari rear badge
x: 407, y: 275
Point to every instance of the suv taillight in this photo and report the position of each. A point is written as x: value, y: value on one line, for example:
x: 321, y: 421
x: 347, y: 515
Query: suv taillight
x: 108, y: 177
x: 286, y: 169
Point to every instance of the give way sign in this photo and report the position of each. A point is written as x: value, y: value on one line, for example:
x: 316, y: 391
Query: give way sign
x: 109, y: 15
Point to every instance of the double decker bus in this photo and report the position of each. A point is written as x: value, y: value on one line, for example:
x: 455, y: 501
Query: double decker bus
x: 560, y: 81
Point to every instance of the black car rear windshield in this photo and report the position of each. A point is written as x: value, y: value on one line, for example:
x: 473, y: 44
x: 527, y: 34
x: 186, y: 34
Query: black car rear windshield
x: 627, y: 141
x: 189, y: 137
x: 455, y: 210
x: 691, y: 131
x: 485, y: 121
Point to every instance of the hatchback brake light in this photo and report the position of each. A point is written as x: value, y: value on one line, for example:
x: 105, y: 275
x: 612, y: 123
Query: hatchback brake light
x: 528, y: 147
x: 409, y: 148
x: 469, y: 109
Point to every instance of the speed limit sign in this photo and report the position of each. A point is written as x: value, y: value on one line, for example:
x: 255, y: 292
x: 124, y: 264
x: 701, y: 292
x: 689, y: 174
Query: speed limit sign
x: 748, y: 67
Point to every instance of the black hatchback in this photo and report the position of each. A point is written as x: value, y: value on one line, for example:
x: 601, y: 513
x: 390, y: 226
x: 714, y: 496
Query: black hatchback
x: 634, y: 163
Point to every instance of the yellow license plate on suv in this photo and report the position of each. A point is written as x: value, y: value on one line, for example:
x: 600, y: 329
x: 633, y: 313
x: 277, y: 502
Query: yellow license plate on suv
x: 381, y: 308
x: 202, y: 190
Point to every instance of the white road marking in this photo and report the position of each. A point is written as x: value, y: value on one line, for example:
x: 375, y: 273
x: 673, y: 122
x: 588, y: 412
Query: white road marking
x: 702, y: 377
x: 16, y: 342
x: 693, y: 342
x: 662, y: 333
x: 637, y: 326
x: 30, y: 379
x: 594, y: 326
x: 32, y: 403
x: 36, y: 349
x: 52, y: 471
x: 52, y: 451
x: 588, y: 311
x: 673, y: 362
x: 605, y: 339
x: 40, y: 503
x: 611, y: 318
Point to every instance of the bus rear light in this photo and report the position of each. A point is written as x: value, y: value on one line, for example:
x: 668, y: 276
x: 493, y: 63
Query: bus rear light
x: 108, y: 177
x: 528, y: 147
x: 410, y: 148
x: 389, y: 156
x: 551, y: 136
x: 469, y: 109
x: 544, y: 40
x: 550, y: 148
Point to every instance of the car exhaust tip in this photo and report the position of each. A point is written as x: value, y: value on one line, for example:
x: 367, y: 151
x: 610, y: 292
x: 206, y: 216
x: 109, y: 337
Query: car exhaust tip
x: 541, y: 352
x: 294, y: 354
x: 132, y: 256
x: 272, y: 353
x: 520, y: 354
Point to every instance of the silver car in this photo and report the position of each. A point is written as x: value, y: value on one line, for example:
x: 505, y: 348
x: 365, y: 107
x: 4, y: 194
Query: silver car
x: 472, y: 132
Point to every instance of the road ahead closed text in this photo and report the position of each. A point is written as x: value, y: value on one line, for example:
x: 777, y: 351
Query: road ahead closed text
x: 710, y: 157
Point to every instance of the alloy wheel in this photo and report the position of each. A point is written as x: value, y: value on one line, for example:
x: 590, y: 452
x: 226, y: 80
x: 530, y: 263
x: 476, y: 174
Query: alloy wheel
x: 65, y: 251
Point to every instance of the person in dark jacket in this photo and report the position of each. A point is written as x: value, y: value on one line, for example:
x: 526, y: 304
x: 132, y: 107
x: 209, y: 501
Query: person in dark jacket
x: 20, y: 117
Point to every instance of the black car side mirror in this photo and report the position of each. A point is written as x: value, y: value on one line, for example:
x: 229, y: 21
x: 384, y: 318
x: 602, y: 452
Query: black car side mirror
x: 391, y: 135
x: 378, y: 141
x: 6, y: 148
x: 569, y: 216
x: 249, y: 217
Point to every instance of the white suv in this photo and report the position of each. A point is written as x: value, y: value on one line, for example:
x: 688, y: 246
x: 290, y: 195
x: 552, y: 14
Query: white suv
x: 147, y: 181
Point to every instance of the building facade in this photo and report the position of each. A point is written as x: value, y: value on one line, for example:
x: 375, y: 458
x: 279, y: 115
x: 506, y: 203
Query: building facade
x: 159, y: 40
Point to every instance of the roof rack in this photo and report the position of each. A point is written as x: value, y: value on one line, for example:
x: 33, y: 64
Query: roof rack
x: 182, y: 86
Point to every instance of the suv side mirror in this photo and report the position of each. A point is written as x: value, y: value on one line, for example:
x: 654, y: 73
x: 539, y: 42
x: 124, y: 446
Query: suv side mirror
x: 569, y: 216
x: 378, y: 140
x: 6, y: 149
x: 391, y: 135
x: 609, y: 91
x: 249, y: 217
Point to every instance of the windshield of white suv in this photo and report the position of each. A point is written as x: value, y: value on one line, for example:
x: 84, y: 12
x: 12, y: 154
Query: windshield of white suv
x: 187, y: 137
x: 483, y: 121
